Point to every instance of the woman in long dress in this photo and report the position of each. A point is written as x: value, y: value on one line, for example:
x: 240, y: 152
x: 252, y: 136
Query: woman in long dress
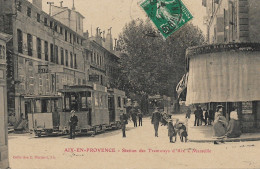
x: 220, y: 124
x: 233, y: 129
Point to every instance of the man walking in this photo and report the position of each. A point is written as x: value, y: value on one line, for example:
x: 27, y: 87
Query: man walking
x: 155, y: 120
x: 198, y: 115
x: 134, y: 116
x: 140, y: 117
x: 123, y: 120
x: 73, y: 122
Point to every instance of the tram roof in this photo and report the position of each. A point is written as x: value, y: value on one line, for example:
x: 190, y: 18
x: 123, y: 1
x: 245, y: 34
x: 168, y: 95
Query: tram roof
x: 42, y: 97
x: 76, y: 89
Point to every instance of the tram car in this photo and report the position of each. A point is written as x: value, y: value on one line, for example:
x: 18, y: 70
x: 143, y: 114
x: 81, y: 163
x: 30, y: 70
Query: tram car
x: 97, y: 108
x: 116, y: 106
x: 43, y: 115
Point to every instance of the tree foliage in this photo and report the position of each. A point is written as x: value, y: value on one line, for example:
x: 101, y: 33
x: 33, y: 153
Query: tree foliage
x: 149, y: 64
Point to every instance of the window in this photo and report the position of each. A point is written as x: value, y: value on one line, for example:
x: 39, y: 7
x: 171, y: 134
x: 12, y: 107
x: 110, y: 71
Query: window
x: 66, y: 58
x: 38, y: 17
x: 39, y: 48
x: 118, y: 102
x: 75, y: 61
x: 29, y: 44
x: 52, y: 53
x: 77, y: 40
x: 71, y: 60
x: 66, y: 35
x: 92, y: 57
x: 56, y: 54
x: 70, y: 38
x: 79, y: 81
x: 74, y: 38
x: 2, y: 53
x: 62, y: 56
x: 20, y: 40
x: 97, y: 59
x: 45, y: 21
x: 51, y: 24
x: 61, y: 30
x: 84, y: 81
x: 46, y: 50
x: 29, y: 12
x: 19, y: 6
x: 55, y: 27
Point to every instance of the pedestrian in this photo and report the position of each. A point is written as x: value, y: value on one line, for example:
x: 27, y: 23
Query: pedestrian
x: 140, y: 117
x: 134, y: 116
x: 171, y: 130
x: 197, y: 113
x: 220, y: 124
x: 234, y: 128
x: 124, y: 122
x: 188, y: 113
x: 205, y: 115
x: 211, y: 116
x: 73, y: 122
x: 156, y: 117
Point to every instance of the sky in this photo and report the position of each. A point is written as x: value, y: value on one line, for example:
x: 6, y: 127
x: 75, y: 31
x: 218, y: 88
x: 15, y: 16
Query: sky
x: 116, y: 13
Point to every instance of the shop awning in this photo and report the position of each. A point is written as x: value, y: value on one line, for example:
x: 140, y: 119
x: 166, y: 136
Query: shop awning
x: 230, y: 76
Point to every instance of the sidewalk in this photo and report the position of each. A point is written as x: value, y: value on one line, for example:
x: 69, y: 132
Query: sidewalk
x: 205, y: 134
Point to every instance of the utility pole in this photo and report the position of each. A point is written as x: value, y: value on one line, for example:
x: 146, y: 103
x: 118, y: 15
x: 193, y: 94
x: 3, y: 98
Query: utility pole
x: 50, y: 3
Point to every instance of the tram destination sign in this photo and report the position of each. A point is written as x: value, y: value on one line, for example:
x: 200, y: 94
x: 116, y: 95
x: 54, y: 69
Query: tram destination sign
x: 43, y: 69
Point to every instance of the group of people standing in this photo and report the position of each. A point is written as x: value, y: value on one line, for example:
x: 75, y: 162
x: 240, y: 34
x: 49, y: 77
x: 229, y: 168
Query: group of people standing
x: 136, y: 112
x: 203, y: 116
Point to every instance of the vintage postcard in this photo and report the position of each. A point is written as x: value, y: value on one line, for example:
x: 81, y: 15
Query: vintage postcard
x: 129, y: 84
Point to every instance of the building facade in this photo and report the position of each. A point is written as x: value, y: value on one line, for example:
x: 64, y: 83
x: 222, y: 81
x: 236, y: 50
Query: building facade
x: 102, y: 58
x: 4, y: 163
x: 45, y: 55
x: 226, y: 71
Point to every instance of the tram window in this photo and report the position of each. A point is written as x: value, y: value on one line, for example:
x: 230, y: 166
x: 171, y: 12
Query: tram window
x: 44, y: 106
x: 83, y: 102
x: 38, y: 106
x: 74, y: 103
x: 118, y: 102
x: 67, y: 103
x: 89, y: 101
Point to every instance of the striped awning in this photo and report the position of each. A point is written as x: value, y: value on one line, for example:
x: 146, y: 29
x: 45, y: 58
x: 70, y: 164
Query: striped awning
x: 230, y: 76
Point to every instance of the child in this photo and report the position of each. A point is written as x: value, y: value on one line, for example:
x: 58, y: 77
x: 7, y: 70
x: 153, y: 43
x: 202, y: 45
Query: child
x: 171, y: 130
x: 182, y: 131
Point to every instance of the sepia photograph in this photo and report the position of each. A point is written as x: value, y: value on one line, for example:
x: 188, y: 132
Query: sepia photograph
x: 129, y: 84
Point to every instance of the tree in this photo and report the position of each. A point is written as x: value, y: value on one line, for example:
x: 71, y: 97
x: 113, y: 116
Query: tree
x: 151, y: 65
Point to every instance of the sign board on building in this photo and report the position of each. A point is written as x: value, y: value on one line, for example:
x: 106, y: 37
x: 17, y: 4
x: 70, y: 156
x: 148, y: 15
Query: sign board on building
x: 43, y: 69
x: 247, y: 107
x: 94, y: 78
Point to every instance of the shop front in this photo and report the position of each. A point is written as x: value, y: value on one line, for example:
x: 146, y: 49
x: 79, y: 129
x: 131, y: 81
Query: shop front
x: 227, y: 74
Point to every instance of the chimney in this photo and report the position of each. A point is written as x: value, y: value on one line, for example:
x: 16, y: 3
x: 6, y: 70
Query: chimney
x: 97, y: 30
x: 61, y: 3
x: 104, y: 36
x: 37, y: 3
x: 115, y: 44
x: 86, y: 35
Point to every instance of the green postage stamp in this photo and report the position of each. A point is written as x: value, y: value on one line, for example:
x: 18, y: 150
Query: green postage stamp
x: 167, y: 15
